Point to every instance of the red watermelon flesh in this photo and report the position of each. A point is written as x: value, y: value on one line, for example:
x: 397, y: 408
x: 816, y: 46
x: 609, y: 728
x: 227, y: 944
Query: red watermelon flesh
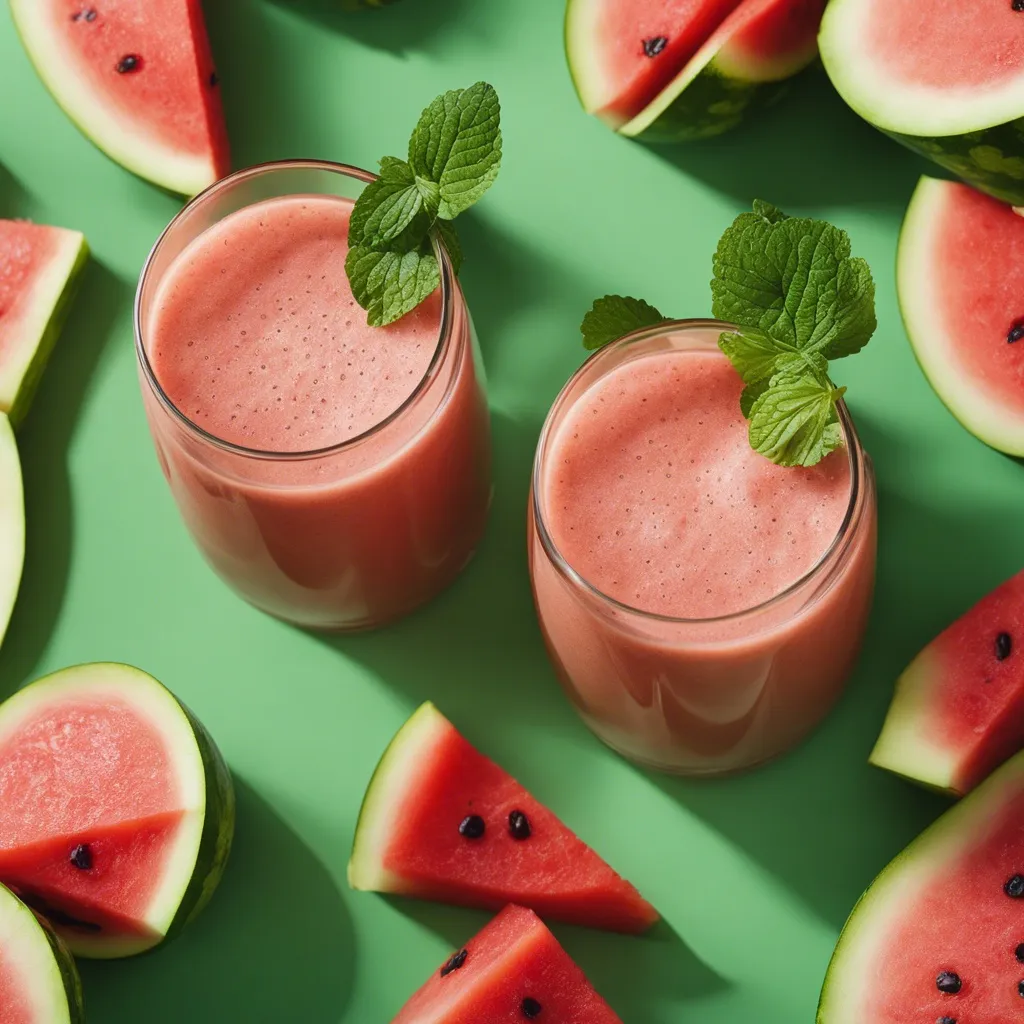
x: 770, y: 39
x: 408, y: 840
x: 513, y: 971
x: 138, y: 78
x: 958, y: 712
x: 15, y: 996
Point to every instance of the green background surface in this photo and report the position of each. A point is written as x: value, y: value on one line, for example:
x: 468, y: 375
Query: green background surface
x: 755, y: 875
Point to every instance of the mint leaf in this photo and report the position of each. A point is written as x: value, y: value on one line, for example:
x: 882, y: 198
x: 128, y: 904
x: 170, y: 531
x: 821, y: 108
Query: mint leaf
x: 754, y: 355
x: 390, y: 284
x: 457, y: 145
x: 794, y: 422
x: 391, y: 209
x: 614, y: 316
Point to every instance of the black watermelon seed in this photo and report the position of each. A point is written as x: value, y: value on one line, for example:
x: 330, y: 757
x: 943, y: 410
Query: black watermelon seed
x: 1018, y: 5
x: 951, y: 1020
x: 519, y: 825
x: 81, y: 857
x: 454, y: 963
x: 949, y: 983
x: 531, y: 1008
x: 1004, y: 646
x: 213, y: 79
x: 1016, y: 332
x: 1014, y: 887
x: 1019, y: 953
x: 85, y: 14
x: 129, y: 63
x: 1020, y: 988
x: 654, y: 46
x: 472, y: 827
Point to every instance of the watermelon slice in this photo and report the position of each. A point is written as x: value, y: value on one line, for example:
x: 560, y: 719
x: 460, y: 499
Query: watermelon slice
x: 513, y: 971
x: 442, y: 822
x: 944, y: 79
x: 116, y: 809
x: 138, y: 79
x: 687, y: 69
x: 40, y: 269
x: 38, y: 980
x: 939, y: 936
x: 960, y: 277
x: 958, y: 712
x: 12, y: 524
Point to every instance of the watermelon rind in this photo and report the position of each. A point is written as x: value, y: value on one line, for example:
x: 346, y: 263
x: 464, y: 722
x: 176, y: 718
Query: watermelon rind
x: 12, y: 523
x: 395, y: 773
x: 41, y: 959
x: 902, y: 747
x: 978, y: 410
x: 196, y: 864
x: 976, y: 133
x: 930, y: 859
x: 122, y: 140
x: 48, y: 306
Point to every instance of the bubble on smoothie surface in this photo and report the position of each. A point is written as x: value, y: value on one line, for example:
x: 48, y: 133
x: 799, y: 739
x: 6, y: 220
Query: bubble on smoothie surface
x: 256, y: 337
x: 654, y: 495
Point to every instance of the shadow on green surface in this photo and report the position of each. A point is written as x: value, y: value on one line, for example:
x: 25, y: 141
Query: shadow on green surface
x: 14, y: 197
x: 43, y: 442
x: 774, y: 157
x: 275, y: 945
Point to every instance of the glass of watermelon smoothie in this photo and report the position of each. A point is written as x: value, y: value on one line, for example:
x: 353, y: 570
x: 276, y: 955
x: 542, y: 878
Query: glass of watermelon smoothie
x: 336, y: 475
x: 702, y: 606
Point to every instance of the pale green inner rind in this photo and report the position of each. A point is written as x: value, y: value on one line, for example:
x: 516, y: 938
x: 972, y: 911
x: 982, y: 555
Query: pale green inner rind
x: 860, y: 76
x: 12, y: 523
x: 395, y: 776
x: 982, y: 413
x: 130, y: 141
x: 582, y: 20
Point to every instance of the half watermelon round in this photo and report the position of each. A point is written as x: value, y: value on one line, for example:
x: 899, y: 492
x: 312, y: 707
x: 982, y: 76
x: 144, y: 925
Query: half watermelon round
x: 944, y: 79
x: 116, y: 808
x: 513, y: 971
x: 39, y: 983
x: 938, y: 937
x: 960, y: 278
x: 138, y: 79
x: 12, y: 524
x: 442, y: 822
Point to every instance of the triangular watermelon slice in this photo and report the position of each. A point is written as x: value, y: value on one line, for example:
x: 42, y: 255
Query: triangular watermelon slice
x: 513, y: 971
x: 116, y: 809
x: 12, y: 524
x: 38, y: 980
x: 958, y: 712
x: 40, y: 268
x: 138, y: 79
x: 442, y: 822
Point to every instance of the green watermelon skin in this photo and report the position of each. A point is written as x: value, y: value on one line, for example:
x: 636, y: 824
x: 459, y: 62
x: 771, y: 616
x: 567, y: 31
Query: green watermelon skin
x: 68, y: 972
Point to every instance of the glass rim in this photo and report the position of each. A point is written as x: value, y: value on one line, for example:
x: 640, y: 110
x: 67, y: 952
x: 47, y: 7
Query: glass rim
x: 842, y: 539
x: 445, y: 334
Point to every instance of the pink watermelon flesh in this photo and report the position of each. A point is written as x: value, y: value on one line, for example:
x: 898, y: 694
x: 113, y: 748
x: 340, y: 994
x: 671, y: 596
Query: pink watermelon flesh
x: 772, y: 38
x: 87, y: 772
x: 15, y: 996
x: 513, y: 971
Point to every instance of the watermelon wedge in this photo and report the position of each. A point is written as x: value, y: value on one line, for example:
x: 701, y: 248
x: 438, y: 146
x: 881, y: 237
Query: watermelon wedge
x: 939, y: 937
x: 138, y: 79
x: 689, y: 69
x: 12, y: 524
x: 958, y: 712
x: 442, y: 822
x: 38, y: 980
x: 944, y: 79
x: 40, y: 268
x: 960, y: 278
x: 513, y: 971
x: 116, y: 809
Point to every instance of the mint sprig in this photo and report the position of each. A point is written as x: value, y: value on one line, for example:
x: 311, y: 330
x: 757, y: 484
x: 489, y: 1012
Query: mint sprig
x: 454, y: 157
x: 799, y: 300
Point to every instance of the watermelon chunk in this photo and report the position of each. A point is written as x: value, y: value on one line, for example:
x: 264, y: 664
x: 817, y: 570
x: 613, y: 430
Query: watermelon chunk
x: 960, y: 278
x: 944, y: 79
x: 938, y: 935
x: 442, y: 822
x: 138, y: 79
x: 38, y: 980
x: 12, y: 524
x: 116, y: 808
x: 958, y: 712
x: 513, y: 971
x: 40, y: 268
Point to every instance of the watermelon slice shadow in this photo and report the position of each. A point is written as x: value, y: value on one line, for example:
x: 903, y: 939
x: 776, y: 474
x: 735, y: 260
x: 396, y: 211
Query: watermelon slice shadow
x: 102, y: 303
x: 275, y: 944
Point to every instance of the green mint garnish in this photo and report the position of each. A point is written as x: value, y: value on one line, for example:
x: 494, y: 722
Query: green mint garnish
x: 454, y: 157
x: 800, y: 300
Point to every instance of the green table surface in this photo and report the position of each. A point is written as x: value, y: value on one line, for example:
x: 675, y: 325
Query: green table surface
x: 755, y: 875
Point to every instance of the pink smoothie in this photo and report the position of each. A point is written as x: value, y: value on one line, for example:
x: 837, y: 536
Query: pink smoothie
x: 253, y: 334
x: 651, y: 493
